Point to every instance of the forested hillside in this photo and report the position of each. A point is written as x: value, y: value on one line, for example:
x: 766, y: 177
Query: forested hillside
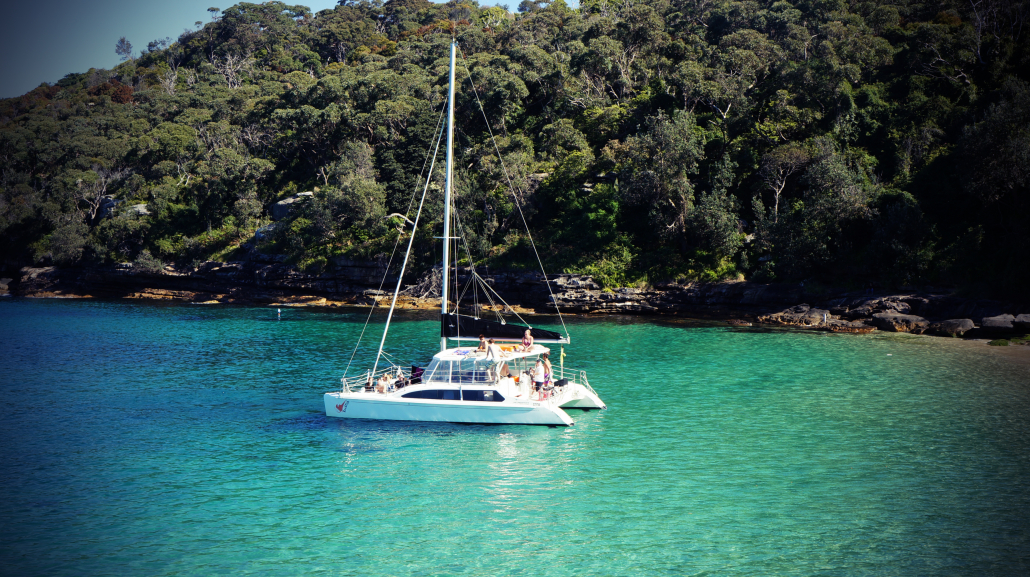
x: 829, y: 141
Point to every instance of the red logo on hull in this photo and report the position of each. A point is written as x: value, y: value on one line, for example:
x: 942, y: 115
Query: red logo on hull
x: 339, y: 408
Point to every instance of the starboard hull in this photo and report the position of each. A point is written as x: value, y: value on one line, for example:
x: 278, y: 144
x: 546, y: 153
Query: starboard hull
x: 580, y: 397
x: 349, y: 405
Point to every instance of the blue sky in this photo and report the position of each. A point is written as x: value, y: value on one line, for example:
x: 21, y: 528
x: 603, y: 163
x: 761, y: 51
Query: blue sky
x: 43, y: 40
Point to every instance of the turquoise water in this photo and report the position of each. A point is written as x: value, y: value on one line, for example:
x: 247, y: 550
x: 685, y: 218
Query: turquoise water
x: 191, y: 440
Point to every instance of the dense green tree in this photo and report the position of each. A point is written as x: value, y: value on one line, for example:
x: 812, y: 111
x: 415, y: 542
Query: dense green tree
x: 849, y: 141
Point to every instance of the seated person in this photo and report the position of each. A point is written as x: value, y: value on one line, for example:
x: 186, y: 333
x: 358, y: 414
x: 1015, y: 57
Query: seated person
x: 482, y: 344
x: 527, y: 342
x: 494, y: 352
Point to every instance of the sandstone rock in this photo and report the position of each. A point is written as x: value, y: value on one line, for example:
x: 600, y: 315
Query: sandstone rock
x: 838, y: 326
x: 1022, y: 321
x: 998, y: 324
x: 801, y: 315
x: 283, y: 208
x: 138, y: 210
x: 860, y: 312
x: 900, y: 323
x: 107, y: 206
x: 952, y: 328
x: 894, y: 305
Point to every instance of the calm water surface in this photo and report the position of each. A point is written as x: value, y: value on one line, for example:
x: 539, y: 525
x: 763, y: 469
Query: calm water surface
x: 190, y: 440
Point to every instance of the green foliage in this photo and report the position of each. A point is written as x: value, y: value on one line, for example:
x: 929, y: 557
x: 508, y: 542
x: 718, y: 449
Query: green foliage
x: 147, y: 262
x: 831, y: 141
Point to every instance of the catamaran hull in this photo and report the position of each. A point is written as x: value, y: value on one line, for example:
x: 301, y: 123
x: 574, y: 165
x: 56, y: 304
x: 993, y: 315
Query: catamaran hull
x: 372, y: 406
x: 580, y: 397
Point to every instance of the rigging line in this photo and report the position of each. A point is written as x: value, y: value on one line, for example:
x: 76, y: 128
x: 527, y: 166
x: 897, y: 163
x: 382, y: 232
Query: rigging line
x: 518, y: 205
x: 468, y: 253
x: 474, y: 275
x: 493, y: 306
x: 396, y: 243
x: 407, y: 253
x: 375, y: 302
x: 474, y: 278
x: 500, y: 298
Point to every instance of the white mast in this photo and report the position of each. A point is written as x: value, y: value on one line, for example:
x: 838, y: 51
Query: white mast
x: 447, y: 192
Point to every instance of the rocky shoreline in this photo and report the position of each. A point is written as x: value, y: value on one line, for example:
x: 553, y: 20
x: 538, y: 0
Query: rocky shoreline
x: 357, y: 283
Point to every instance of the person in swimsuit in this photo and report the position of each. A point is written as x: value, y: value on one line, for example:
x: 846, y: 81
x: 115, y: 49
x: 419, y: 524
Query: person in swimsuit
x: 547, y: 369
x: 494, y: 353
x: 482, y: 344
x: 527, y: 341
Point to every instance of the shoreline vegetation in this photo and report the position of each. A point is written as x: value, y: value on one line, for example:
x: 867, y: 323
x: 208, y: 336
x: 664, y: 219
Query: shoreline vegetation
x: 740, y: 303
x: 656, y: 149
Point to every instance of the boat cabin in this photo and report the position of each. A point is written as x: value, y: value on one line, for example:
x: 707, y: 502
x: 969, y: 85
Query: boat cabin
x: 467, y: 365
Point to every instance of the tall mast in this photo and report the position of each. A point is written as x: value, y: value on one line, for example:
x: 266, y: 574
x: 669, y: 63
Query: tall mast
x: 447, y: 192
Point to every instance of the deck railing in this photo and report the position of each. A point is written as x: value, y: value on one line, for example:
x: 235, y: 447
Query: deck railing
x: 357, y: 382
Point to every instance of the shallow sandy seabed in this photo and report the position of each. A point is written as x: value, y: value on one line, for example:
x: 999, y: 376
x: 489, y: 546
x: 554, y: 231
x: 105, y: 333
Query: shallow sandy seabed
x: 1017, y: 354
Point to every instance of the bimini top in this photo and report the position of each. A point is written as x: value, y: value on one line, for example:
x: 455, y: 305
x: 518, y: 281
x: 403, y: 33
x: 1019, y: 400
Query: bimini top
x: 455, y: 326
x: 470, y: 353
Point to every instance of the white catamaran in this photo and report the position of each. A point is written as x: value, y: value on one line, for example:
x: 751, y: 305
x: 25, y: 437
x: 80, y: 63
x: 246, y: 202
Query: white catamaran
x: 467, y: 384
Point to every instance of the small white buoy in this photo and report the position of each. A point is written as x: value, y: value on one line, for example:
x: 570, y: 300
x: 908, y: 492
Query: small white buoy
x: 279, y: 314
x: 889, y: 355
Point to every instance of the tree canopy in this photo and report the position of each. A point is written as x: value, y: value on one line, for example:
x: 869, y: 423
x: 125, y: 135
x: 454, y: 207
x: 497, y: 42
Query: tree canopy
x: 836, y: 140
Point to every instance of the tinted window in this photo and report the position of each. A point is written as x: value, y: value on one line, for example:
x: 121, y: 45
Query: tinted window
x: 482, y: 396
x: 431, y: 394
x: 446, y: 395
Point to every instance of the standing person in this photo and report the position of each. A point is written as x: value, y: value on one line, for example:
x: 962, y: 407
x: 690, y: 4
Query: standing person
x: 527, y: 341
x: 493, y: 353
x: 538, y: 377
x: 547, y: 369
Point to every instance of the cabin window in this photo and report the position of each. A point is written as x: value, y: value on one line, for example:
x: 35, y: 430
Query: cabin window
x: 431, y: 394
x: 436, y: 394
x: 472, y: 371
x: 439, y: 371
x: 489, y: 396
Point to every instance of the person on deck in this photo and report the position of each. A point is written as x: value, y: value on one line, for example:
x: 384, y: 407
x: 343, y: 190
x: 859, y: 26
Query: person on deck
x: 538, y: 377
x: 494, y: 353
x: 527, y: 342
x: 482, y: 343
x: 547, y: 369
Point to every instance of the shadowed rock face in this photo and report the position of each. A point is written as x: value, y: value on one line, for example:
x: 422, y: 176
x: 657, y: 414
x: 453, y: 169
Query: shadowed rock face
x: 265, y: 279
x: 801, y: 315
x: 1000, y: 323
x: 898, y: 323
x: 952, y: 327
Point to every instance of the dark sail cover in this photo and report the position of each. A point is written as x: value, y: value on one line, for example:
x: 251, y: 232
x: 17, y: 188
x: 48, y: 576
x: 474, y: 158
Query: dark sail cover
x: 467, y: 327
